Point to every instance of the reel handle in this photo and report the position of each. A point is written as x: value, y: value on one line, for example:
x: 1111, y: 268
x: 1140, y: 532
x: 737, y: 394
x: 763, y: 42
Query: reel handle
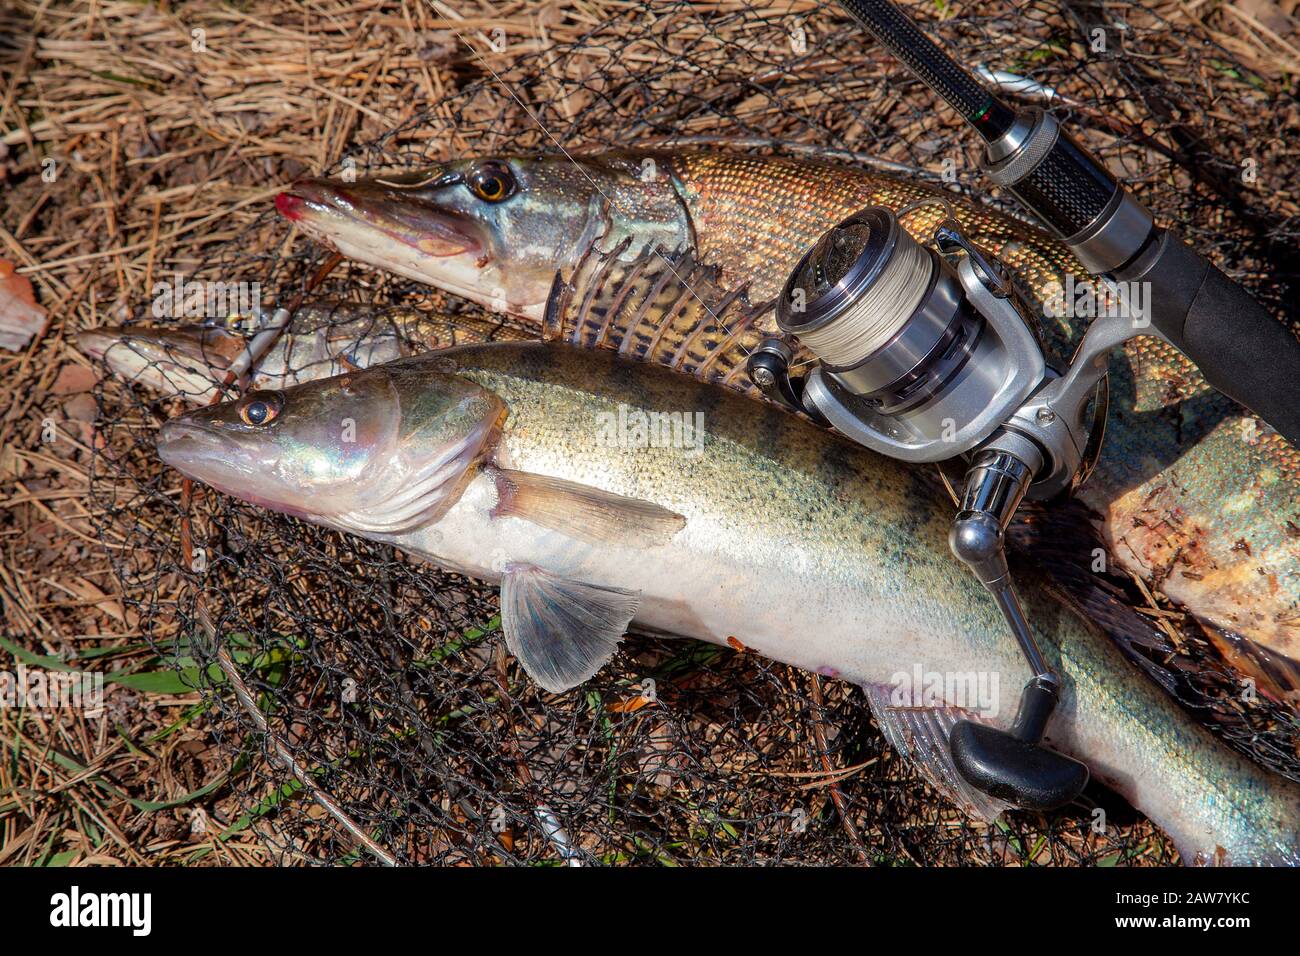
x: 768, y: 367
x: 1011, y: 765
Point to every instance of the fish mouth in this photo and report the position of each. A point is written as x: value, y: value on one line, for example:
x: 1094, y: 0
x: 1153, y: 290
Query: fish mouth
x: 342, y: 213
x: 187, y: 446
x: 202, y: 452
x: 216, y: 458
x: 95, y: 343
x: 191, y: 360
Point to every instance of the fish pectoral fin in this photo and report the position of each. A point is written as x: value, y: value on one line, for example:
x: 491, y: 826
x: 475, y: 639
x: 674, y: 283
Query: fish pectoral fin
x: 583, y: 512
x: 562, y: 631
x: 920, y: 736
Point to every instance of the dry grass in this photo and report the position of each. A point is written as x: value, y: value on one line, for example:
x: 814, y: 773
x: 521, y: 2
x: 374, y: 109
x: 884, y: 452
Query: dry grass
x: 160, y: 152
x: 161, y: 147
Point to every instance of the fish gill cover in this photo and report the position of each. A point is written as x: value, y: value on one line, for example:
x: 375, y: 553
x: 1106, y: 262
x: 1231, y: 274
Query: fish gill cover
x: 365, y: 702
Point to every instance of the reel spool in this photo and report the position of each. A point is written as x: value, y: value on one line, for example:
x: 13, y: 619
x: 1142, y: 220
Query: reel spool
x: 928, y: 356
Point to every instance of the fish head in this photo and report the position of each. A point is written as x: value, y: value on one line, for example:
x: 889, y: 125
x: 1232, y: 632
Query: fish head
x: 195, y: 361
x: 192, y: 360
x: 496, y: 229
x: 379, y: 451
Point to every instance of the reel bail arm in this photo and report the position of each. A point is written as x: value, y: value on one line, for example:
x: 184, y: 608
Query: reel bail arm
x: 768, y: 367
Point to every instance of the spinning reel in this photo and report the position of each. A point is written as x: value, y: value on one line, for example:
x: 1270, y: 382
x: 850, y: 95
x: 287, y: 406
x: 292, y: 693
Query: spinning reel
x: 927, y: 356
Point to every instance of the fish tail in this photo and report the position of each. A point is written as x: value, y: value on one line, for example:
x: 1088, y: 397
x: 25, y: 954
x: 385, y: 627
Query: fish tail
x: 1202, y: 676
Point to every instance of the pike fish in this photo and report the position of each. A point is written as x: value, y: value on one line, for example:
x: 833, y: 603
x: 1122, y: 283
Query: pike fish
x: 604, y: 494
x: 322, y: 338
x: 1194, y: 494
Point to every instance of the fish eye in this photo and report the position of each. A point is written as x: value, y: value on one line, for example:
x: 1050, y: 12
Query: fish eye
x: 260, y: 408
x: 491, y: 181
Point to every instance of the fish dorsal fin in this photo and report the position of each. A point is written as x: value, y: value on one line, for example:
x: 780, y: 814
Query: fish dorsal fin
x: 665, y: 308
x: 583, y: 512
x: 920, y: 735
x: 561, y: 631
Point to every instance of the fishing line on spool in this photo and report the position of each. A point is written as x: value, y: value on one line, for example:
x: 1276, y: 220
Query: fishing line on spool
x: 882, y: 309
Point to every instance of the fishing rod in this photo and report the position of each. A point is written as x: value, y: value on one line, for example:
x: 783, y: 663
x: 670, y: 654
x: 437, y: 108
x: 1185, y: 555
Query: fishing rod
x: 930, y: 354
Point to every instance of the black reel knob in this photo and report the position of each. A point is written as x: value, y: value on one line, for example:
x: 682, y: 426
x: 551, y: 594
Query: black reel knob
x: 1013, y: 765
x: 769, y: 368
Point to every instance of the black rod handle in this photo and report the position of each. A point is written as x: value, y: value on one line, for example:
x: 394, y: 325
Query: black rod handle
x: 1240, y: 349
x: 1245, y: 353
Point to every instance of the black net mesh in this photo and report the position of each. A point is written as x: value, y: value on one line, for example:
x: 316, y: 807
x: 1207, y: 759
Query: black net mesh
x: 386, y: 683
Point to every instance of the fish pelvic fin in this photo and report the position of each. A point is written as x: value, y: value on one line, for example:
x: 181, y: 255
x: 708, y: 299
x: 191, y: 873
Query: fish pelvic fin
x: 562, y: 631
x: 919, y: 734
x: 583, y: 512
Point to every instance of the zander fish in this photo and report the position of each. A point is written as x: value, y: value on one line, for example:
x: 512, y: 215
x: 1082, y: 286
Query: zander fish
x: 604, y: 494
x: 1199, y: 497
